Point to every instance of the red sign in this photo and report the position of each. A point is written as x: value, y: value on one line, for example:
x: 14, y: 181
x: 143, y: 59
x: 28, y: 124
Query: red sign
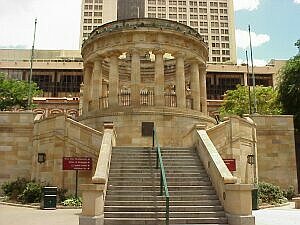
x: 77, y: 163
x: 230, y: 163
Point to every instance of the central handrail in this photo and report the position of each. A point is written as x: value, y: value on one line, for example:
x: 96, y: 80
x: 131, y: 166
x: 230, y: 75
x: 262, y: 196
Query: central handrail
x: 163, y: 181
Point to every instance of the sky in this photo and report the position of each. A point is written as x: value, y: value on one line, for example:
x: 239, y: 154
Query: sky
x: 274, y: 25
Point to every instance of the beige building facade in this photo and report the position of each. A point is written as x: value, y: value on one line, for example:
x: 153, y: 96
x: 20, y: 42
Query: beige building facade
x: 214, y: 20
x: 60, y: 73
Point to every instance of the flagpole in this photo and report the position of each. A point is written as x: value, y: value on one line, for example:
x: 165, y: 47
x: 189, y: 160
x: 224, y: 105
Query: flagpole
x: 31, y: 62
x: 249, y: 93
x: 253, y: 76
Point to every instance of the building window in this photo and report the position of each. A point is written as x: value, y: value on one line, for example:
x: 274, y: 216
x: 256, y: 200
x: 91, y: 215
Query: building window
x: 152, y: 2
x: 173, y: 16
x: 152, y: 15
x: 151, y: 8
x: 214, y: 11
x: 172, y: 9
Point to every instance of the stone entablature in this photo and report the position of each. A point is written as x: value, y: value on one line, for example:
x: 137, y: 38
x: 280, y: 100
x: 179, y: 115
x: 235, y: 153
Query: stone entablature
x: 149, y: 62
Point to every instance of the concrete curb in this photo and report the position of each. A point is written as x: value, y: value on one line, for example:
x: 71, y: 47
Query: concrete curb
x: 273, y: 206
x: 35, y: 206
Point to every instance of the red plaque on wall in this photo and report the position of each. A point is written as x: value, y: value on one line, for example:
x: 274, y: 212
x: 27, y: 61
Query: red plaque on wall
x: 230, y: 163
x: 77, y: 163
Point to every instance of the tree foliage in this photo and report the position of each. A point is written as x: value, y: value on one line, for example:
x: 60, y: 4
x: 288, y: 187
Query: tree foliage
x: 14, y: 93
x: 289, y: 88
x: 236, y: 102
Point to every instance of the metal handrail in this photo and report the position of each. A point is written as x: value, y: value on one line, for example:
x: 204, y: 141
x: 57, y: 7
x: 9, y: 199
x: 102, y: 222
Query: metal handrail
x: 163, y: 181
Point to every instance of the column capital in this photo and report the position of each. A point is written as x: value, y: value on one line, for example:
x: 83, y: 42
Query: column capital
x: 88, y: 65
x: 98, y: 58
x: 179, y: 55
x: 158, y: 51
x: 114, y: 53
x: 136, y: 51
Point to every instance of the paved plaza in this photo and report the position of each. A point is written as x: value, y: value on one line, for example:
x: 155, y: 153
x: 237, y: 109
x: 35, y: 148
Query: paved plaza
x: 285, y: 215
x: 11, y: 215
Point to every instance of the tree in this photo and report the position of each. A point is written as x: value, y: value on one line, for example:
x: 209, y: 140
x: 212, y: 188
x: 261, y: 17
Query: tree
x: 289, y: 88
x: 236, y: 102
x: 14, y: 93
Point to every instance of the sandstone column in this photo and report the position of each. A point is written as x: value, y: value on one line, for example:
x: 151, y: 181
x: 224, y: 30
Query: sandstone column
x: 87, y: 90
x: 104, y: 102
x: 113, y: 80
x: 180, y: 81
x: 135, y: 77
x: 97, y: 83
x: 195, y: 85
x: 159, y: 78
x: 203, y: 95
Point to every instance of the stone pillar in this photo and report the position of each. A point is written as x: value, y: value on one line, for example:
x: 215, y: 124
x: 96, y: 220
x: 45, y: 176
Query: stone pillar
x: 203, y: 95
x: 92, y: 204
x: 104, y: 102
x: 159, y: 78
x: 113, y: 100
x: 245, y: 79
x: 135, y: 77
x: 97, y: 83
x: 86, y: 90
x: 195, y: 85
x: 180, y: 81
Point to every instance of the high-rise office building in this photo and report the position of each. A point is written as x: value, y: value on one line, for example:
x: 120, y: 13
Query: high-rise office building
x: 213, y: 19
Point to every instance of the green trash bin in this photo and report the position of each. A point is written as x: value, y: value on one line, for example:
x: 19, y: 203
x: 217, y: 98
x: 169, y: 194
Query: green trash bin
x: 255, y: 198
x: 49, y: 198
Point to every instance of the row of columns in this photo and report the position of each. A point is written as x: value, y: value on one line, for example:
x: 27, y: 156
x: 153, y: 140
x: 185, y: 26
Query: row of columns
x: 93, y: 76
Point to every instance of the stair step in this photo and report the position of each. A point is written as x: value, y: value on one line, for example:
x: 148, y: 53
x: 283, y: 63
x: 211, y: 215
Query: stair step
x: 150, y: 170
x: 162, y: 214
x: 157, y: 192
x: 163, y: 203
x: 155, y: 179
x: 159, y: 198
x: 161, y: 221
x: 153, y: 182
x: 171, y: 188
x: 162, y: 208
x: 155, y: 173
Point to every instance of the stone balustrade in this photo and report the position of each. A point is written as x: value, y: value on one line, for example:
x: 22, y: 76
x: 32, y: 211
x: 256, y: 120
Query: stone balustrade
x: 236, y: 198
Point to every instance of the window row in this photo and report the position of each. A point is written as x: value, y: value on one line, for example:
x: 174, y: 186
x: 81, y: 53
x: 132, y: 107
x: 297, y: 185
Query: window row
x: 93, y: 7
x: 92, y: 1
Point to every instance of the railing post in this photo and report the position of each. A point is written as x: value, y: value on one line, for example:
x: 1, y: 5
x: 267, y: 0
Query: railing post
x: 167, y: 210
x: 153, y: 133
x: 161, y: 183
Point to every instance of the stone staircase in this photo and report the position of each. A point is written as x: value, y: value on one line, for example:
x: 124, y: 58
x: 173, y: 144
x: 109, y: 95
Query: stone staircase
x: 133, y: 198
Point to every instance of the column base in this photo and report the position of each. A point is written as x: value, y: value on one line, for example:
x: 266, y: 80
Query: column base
x: 240, y: 220
x: 88, y: 220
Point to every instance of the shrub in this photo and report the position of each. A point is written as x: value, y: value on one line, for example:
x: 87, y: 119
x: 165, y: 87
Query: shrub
x: 61, y: 194
x: 72, y: 201
x: 269, y: 193
x: 32, y: 193
x: 14, y: 189
x: 289, y: 193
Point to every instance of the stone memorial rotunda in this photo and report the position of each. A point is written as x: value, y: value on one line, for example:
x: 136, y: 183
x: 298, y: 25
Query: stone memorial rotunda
x: 143, y: 71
